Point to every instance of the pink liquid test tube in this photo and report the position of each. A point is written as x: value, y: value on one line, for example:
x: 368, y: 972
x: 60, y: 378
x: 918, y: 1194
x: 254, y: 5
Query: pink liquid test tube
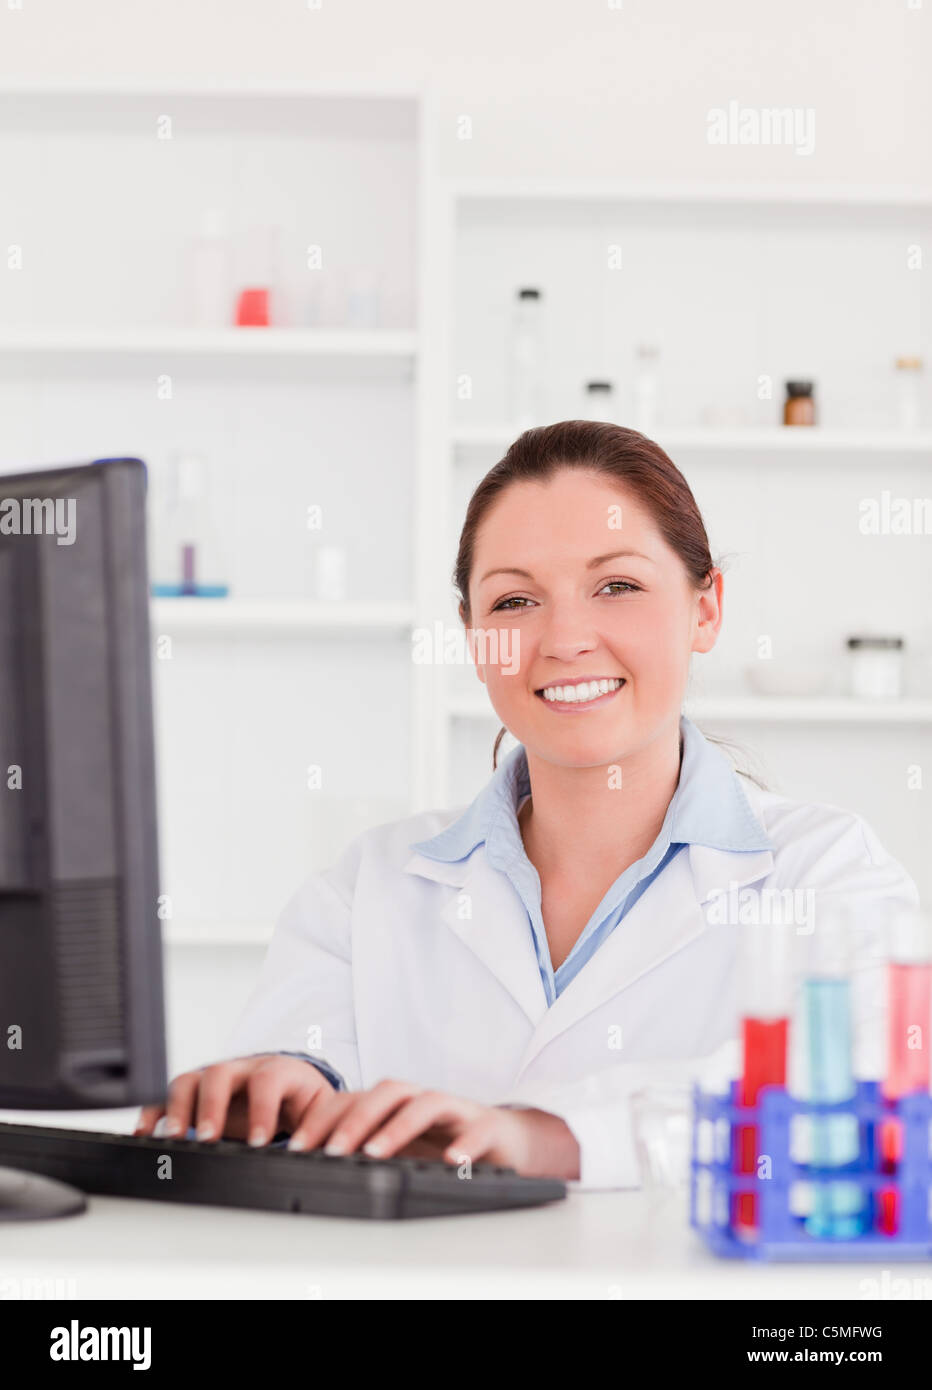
x: 909, y: 1001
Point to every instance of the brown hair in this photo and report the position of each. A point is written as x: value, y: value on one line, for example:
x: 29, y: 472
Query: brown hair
x: 621, y: 455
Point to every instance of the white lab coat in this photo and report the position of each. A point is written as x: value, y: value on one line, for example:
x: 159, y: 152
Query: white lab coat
x: 394, y: 965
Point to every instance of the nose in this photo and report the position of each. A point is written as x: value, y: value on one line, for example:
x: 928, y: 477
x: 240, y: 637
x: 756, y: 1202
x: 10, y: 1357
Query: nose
x: 567, y: 632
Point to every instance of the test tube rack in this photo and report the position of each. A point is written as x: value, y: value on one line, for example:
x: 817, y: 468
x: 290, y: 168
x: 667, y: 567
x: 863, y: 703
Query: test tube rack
x: 781, y: 1233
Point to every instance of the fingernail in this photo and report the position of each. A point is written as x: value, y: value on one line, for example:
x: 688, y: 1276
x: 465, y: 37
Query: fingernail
x: 205, y: 1130
x: 257, y: 1136
x: 172, y: 1126
x: 336, y: 1146
x: 296, y: 1142
x: 374, y: 1148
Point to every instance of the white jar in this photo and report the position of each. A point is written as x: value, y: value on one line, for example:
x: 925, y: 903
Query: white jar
x: 876, y: 665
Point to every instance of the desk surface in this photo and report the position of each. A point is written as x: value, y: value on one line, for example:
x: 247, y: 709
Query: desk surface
x: 612, y: 1245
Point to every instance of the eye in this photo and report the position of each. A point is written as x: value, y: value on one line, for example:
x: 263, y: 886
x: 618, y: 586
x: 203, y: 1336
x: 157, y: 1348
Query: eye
x: 502, y: 603
x: 623, y: 585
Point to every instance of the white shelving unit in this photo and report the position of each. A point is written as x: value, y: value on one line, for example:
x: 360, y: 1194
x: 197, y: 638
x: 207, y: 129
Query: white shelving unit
x: 348, y: 166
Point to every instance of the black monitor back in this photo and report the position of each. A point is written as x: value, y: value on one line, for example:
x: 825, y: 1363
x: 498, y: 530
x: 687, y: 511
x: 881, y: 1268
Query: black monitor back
x: 81, y: 1004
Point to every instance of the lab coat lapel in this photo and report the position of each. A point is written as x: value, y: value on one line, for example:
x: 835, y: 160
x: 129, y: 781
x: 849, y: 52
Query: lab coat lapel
x: 667, y: 917
x: 488, y: 917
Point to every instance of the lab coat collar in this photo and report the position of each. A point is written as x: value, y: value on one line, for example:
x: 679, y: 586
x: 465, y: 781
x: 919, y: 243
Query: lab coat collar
x: 709, y: 807
x: 728, y: 848
x: 491, y: 922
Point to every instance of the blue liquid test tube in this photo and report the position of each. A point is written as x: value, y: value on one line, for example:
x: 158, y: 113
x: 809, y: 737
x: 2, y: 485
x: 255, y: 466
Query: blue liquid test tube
x: 839, y: 1209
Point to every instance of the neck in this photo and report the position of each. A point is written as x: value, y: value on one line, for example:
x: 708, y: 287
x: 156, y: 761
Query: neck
x: 580, y: 822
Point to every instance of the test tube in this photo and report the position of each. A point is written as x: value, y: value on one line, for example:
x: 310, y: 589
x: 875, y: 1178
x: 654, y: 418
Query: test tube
x: 909, y: 996
x: 766, y: 989
x: 839, y: 1209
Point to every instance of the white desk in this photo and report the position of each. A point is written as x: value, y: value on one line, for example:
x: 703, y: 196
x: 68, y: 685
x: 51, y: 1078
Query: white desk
x: 591, y: 1246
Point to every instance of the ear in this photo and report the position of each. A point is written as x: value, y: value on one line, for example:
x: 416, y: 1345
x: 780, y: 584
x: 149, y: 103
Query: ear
x: 709, y: 613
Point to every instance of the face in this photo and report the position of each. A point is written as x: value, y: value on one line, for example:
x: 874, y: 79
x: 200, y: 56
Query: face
x: 573, y: 586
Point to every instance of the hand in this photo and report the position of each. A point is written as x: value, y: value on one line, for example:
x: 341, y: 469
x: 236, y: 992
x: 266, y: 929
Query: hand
x: 254, y: 1096
x: 397, y: 1117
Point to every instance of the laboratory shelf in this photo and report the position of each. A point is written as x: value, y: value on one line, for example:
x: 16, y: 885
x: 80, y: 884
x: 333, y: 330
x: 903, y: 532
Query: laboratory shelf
x: 218, y: 617
x: 493, y: 192
x: 760, y: 709
x: 392, y: 350
x: 779, y: 439
x: 815, y: 709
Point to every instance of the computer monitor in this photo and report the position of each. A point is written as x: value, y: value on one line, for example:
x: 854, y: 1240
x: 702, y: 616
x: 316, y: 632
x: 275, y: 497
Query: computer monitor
x: 81, y: 1004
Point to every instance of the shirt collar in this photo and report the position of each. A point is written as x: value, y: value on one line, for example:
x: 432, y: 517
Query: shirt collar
x: 709, y: 807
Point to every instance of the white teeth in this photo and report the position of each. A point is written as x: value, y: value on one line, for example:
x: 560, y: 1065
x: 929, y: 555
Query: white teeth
x: 577, y: 694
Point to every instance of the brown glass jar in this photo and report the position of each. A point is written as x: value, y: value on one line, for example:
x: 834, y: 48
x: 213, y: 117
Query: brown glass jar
x: 799, y: 408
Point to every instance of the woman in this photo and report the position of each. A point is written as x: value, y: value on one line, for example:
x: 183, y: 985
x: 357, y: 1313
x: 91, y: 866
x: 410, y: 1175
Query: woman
x: 491, y: 984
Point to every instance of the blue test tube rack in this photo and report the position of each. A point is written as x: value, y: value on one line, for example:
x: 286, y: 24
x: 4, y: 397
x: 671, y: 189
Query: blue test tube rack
x: 781, y: 1233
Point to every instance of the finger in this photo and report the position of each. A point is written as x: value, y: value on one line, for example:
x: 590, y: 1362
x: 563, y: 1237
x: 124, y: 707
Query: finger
x: 179, y: 1106
x: 478, y: 1140
x: 320, y: 1118
x: 370, y: 1112
x: 213, y: 1096
x: 419, y: 1114
x: 149, y: 1117
x: 270, y: 1085
x: 365, y: 1112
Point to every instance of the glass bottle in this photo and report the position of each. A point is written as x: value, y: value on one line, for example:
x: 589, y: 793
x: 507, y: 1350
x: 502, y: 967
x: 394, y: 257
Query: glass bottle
x: 799, y: 407
x: 908, y: 381
x: 187, y: 551
x: 598, y: 401
x: 526, y: 402
x: 211, y: 273
x: 647, y: 388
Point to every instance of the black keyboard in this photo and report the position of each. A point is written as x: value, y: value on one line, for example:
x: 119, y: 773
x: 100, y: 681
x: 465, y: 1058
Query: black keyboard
x: 228, y: 1173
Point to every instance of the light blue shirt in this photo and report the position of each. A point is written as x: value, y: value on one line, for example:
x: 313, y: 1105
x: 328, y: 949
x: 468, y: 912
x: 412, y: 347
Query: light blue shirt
x: 709, y: 807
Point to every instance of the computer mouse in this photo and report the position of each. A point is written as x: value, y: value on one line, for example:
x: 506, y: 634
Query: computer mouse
x: 28, y: 1196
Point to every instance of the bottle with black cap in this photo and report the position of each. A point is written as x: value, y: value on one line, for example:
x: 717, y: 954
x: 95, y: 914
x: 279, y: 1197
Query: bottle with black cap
x: 526, y: 396
x: 598, y: 400
x: 799, y: 408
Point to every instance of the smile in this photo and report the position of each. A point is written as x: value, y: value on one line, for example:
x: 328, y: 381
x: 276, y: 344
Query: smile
x: 581, y: 694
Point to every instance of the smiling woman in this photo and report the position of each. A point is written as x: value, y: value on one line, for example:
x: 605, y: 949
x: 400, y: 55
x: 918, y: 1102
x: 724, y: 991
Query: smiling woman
x: 494, y: 982
x: 545, y: 514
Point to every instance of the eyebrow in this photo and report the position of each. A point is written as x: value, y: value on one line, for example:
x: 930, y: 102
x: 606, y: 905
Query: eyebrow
x: 590, y: 565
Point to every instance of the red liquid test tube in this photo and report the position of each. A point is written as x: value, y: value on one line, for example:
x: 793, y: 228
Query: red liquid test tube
x: 766, y: 987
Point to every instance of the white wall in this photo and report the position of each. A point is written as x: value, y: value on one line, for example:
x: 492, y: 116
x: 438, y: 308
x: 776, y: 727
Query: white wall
x: 552, y: 86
